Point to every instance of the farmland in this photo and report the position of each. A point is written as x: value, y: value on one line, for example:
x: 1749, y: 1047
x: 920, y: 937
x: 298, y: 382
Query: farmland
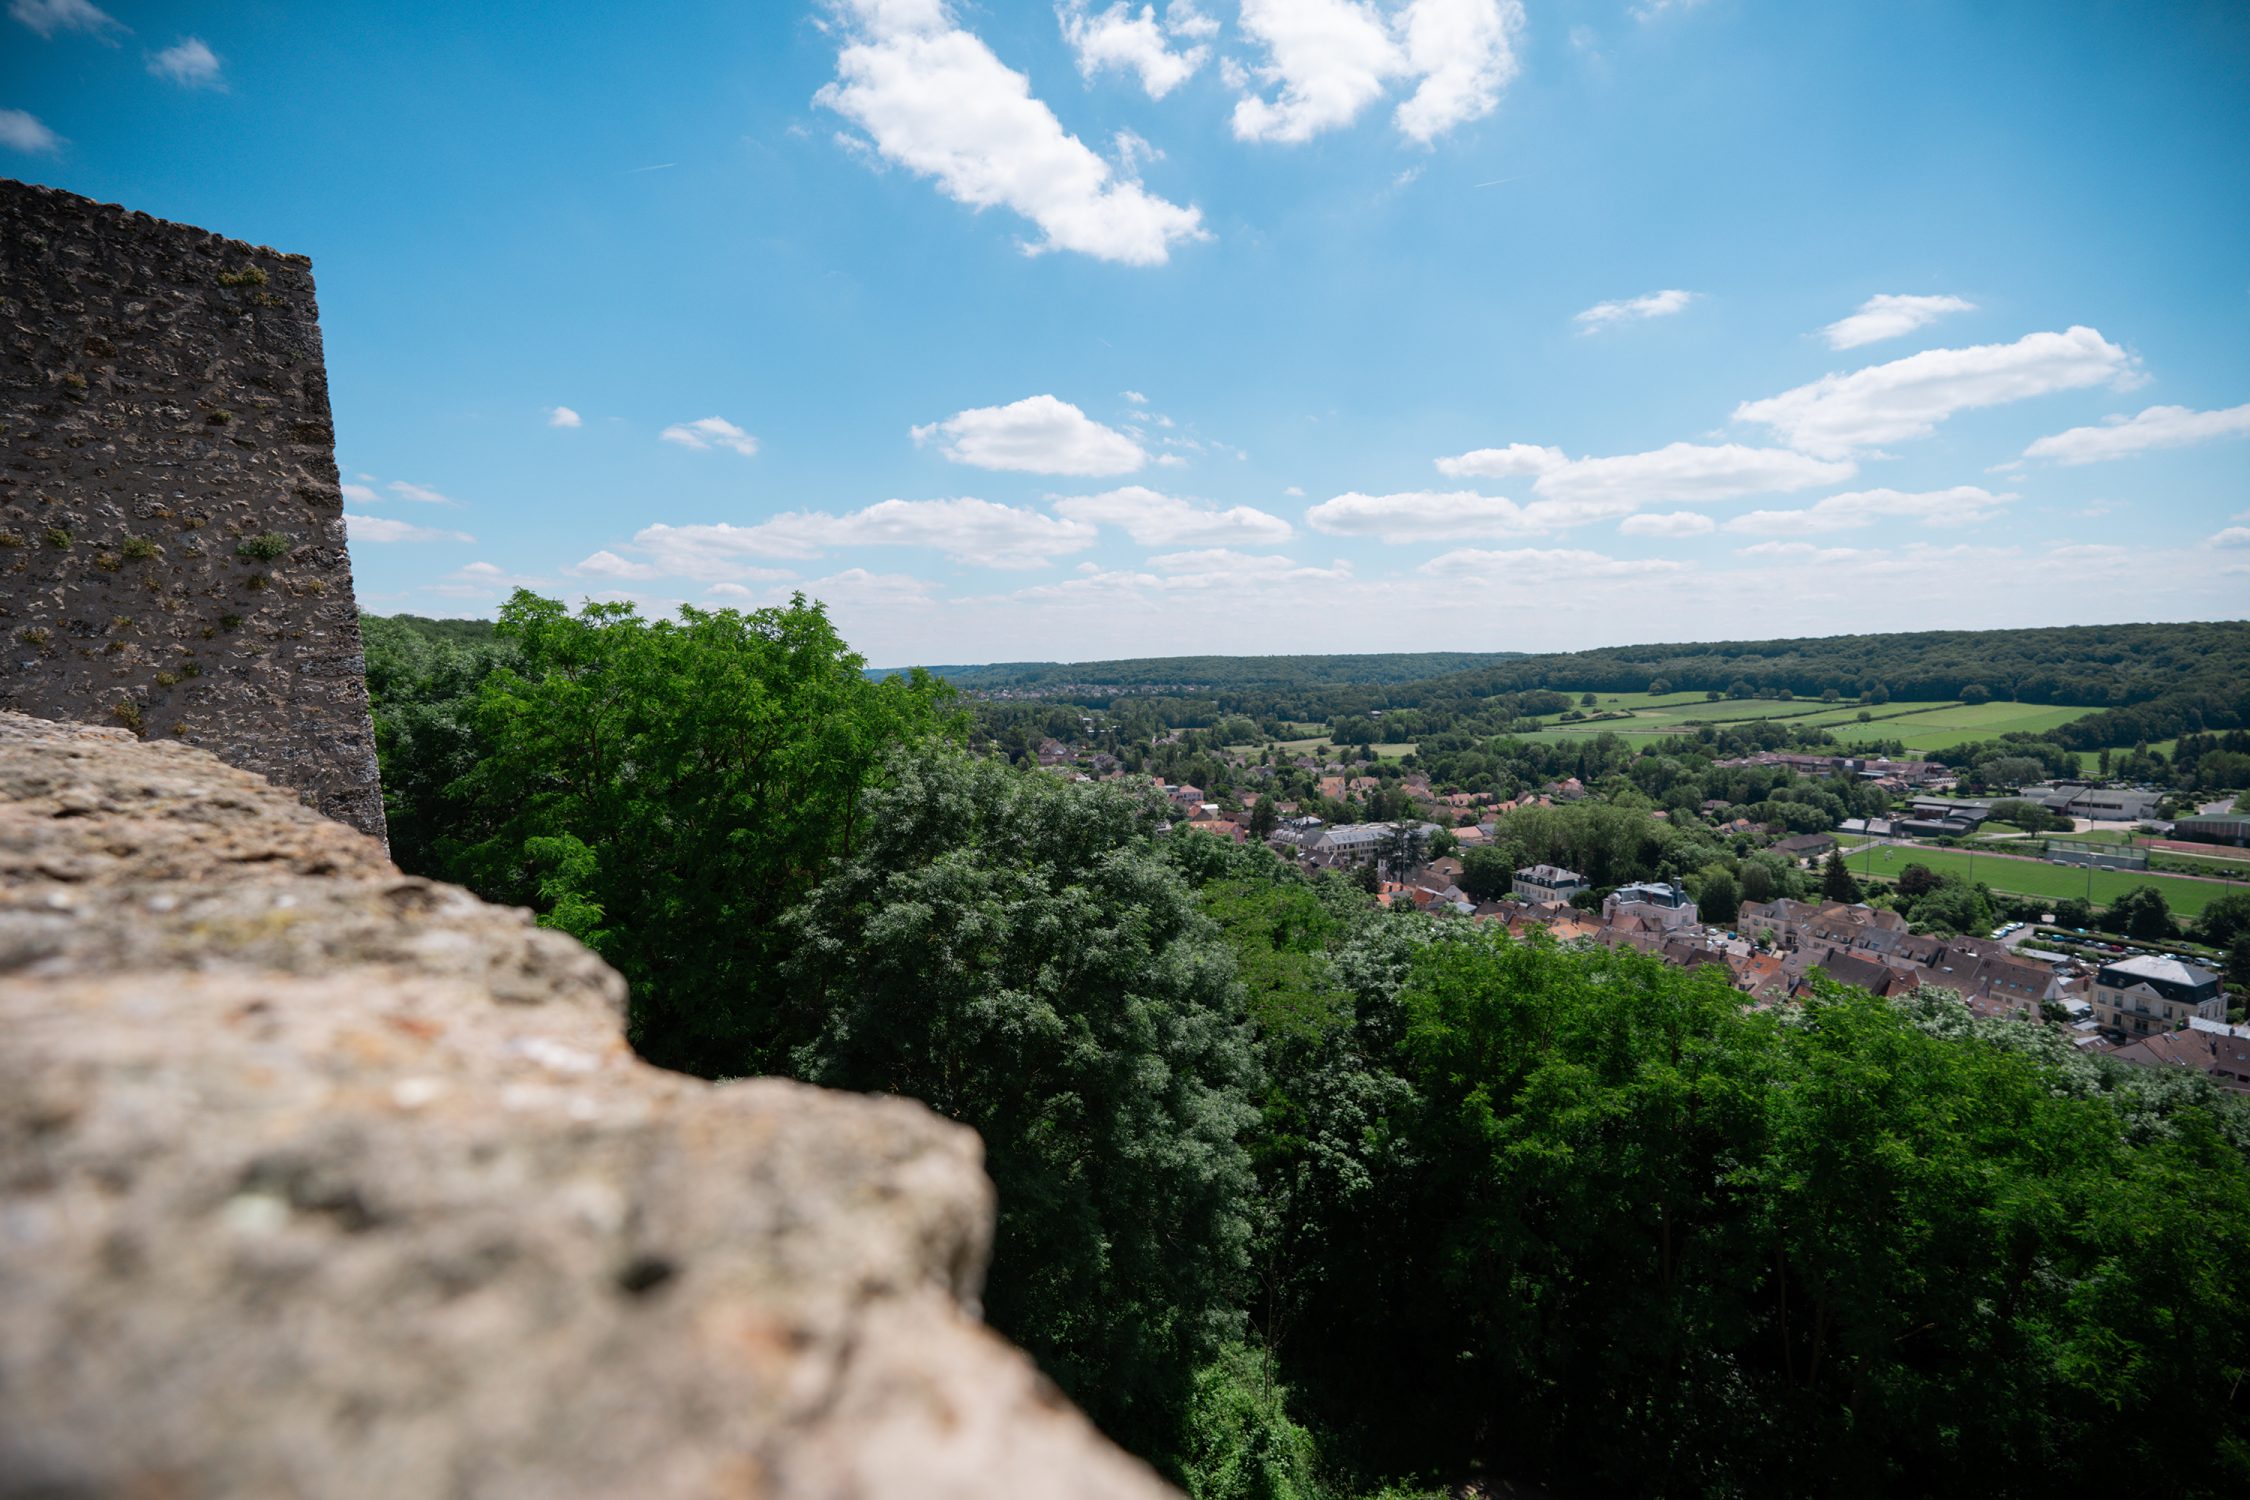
x: 1920, y: 726
x: 2025, y: 877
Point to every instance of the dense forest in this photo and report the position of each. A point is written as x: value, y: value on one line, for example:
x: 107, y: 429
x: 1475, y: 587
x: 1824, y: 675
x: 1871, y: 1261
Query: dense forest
x: 2153, y: 681
x: 1302, y: 1197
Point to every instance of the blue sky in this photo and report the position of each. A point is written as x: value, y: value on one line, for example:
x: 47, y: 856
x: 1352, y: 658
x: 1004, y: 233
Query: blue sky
x: 1103, y: 329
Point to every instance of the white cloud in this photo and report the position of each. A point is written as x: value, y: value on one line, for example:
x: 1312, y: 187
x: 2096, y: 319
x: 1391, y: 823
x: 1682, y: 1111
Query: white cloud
x: 1450, y: 515
x: 1800, y: 552
x: 1037, y: 435
x: 563, y: 416
x: 1907, y: 398
x: 1129, y: 41
x: 1962, y: 505
x: 1544, y: 565
x: 607, y: 564
x: 1464, y: 53
x: 385, y: 529
x: 1623, y: 482
x: 1887, y: 316
x: 1688, y: 471
x: 23, y: 131
x: 967, y: 530
x: 1502, y: 463
x: 360, y: 493
x: 1296, y: 491
x: 420, y: 493
x: 2156, y: 427
x: 1649, y: 10
x: 188, y: 62
x: 1159, y: 520
x: 1326, y: 61
x: 933, y: 98
x: 2229, y: 539
x: 1135, y: 397
x: 50, y: 16
x: 707, y: 433
x: 1674, y: 523
x: 1633, y: 310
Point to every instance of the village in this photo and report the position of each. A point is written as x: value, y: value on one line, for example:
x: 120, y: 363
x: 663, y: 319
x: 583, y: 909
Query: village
x: 2141, y: 1006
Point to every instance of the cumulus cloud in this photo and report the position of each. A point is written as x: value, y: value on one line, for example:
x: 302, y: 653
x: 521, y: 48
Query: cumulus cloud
x: 20, y: 130
x: 1450, y: 515
x: 1130, y: 41
x: 1544, y: 565
x: 966, y: 529
x: 1037, y: 435
x: 1673, y: 523
x: 360, y: 494
x: 50, y: 16
x: 1909, y: 397
x: 934, y: 99
x: 1158, y: 520
x: 606, y: 564
x: 563, y: 416
x: 385, y: 529
x: 2156, y: 427
x: 1502, y: 463
x: 1632, y: 310
x: 707, y: 433
x: 188, y: 62
x: 1962, y: 505
x: 1326, y: 61
x: 1886, y: 316
x: 1688, y: 471
x: 2229, y: 539
x: 1676, y: 472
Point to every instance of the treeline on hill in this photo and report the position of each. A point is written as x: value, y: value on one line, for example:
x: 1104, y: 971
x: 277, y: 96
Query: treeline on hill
x: 1305, y: 1199
x: 2152, y: 681
x: 1286, y: 673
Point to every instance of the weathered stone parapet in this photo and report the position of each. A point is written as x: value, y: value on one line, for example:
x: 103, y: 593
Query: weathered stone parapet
x: 172, y: 551
x: 318, y: 1180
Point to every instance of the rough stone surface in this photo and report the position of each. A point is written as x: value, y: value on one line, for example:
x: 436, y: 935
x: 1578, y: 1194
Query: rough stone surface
x: 172, y: 554
x: 319, y: 1180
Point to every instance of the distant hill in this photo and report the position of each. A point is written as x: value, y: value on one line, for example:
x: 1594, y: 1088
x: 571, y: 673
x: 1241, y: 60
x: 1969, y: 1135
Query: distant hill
x: 1216, y: 672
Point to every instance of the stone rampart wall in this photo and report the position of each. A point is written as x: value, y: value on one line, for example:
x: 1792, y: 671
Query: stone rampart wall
x: 172, y: 555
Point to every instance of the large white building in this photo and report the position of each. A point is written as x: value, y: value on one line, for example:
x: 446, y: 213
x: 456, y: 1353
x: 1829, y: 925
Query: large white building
x: 2143, y: 996
x: 1537, y: 883
x: 1652, y: 901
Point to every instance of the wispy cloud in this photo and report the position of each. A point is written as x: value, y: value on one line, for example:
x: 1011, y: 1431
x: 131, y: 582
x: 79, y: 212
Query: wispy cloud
x: 388, y: 529
x: 22, y: 131
x: 1886, y: 316
x: 1909, y: 397
x: 47, y: 17
x: 2155, y: 427
x: 706, y: 433
x: 1633, y: 310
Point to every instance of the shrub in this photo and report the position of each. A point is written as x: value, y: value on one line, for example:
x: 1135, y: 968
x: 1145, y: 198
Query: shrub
x: 266, y: 546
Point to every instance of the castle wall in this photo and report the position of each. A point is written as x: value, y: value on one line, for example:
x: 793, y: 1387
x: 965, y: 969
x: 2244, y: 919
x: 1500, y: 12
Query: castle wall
x: 172, y: 553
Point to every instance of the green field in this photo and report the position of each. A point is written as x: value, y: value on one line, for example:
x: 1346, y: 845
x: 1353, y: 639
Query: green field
x: 2020, y: 877
x: 1320, y: 744
x: 1943, y: 728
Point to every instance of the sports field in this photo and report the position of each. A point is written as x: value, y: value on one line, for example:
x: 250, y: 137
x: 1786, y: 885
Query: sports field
x: 2025, y: 877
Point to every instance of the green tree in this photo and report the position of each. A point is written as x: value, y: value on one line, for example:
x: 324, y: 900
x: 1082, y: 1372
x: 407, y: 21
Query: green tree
x: 1836, y: 883
x: 2141, y: 913
x: 1013, y: 951
x: 667, y: 789
x: 1918, y: 880
x: 2224, y: 920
